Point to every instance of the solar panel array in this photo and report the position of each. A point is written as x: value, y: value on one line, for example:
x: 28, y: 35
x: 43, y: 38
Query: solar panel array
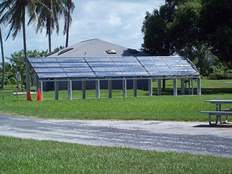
x: 168, y: 66
x: 102, y: 67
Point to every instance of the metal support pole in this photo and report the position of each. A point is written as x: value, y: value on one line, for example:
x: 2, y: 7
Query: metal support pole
x: 192, y: 86
x: 199, y: 86
x: 150, y: 87
x: 110, y: 88
x: 41, y: 89
x: 124, y: 87
x: 56, y: 90
x: 27, y: 75
x: 36, y: 82
x: 182, y: 87
x: 189, y: 85
x: 159, y: 87
x: 69, y: 90
x: 175, y: 87
x: 97, y: 88
x: 83, y: 89
x: 135, y: 87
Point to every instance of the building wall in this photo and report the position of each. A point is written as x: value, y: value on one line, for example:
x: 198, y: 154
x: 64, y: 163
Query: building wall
x: 77, y: 85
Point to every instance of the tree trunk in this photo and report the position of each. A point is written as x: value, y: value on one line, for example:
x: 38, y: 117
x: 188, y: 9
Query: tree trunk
x: 49, y: 41
x: 49, y: 36
x: 68, y: 21
x: 25, y: 53
x: 3, y: 60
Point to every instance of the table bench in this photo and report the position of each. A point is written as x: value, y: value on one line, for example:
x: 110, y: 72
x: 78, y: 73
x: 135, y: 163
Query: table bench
x: 218, y: 115
x: 218, y: 111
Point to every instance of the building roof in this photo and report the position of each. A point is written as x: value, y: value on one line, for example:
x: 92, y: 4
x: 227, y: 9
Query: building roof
x: 116, y: 67
x: 96, y: 48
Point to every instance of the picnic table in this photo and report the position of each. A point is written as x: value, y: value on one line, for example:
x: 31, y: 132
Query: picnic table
x: 219, y: 111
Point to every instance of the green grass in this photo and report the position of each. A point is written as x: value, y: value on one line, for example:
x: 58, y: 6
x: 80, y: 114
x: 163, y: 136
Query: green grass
x: 31, y: 156
x: 182, y: 108
x: 166, y: 107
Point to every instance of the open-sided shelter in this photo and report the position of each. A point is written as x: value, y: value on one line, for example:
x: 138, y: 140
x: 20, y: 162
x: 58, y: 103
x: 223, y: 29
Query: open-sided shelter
x: 112, y: 68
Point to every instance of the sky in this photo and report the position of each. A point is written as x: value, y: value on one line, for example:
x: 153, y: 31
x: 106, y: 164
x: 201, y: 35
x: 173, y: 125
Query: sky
x: 115, y: 21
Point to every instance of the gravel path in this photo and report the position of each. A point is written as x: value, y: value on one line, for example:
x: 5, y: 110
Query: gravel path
x: 190, y: 137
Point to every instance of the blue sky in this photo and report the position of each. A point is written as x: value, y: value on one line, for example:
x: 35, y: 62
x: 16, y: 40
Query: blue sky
x: 116, y: 21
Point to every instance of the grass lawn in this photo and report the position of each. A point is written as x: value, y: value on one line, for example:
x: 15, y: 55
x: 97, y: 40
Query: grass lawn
x: 32, y: 156
x: 166, y: 107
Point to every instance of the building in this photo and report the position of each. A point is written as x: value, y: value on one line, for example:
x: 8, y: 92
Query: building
x: 96, y: 48
x: 96, y: 64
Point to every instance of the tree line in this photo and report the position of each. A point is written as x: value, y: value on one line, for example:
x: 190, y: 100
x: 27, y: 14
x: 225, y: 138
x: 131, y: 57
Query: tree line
x: 198, y: 29
x: 16, y: 64
x: 45, y: 14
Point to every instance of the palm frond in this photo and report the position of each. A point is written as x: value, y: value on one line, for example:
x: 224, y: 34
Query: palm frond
x: 13, y: 13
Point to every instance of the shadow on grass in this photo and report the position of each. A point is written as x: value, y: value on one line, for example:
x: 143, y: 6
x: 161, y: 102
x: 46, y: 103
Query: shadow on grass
x: 169, y: 91
x: 216, y: 90
x: 225, y: 125
x: 204, y: 91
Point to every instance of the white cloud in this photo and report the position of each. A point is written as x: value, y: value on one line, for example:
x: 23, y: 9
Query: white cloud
x: 127, y: 27
x: 116, y: 21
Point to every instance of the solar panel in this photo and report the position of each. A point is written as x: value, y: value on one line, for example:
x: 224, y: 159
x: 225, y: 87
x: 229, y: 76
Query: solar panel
x: 98, y: 59
x: 132, y: 69
x: 123, y: 59
x: 49, y: 60
x: 102, y: 64
x: 74, y: 65
x: 109, y: 74
x: 81, y: 75
x: 46, y: 65
x: 101, y: 67
x: 167, y: 65
x: 48, y: 70
x: 104, y: 69
x: 71, y: 60
x: 74, y: 70
x: 135, y: 74
x: 51, y: 75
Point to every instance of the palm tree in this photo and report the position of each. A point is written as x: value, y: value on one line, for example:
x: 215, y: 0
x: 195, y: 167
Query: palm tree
x: 48, y: 12
x: 69, y: 7
x: 3, y: 60
x: 13, y: 12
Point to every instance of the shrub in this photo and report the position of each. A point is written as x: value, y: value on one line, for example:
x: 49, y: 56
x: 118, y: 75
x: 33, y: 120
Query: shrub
x: 219, y: 76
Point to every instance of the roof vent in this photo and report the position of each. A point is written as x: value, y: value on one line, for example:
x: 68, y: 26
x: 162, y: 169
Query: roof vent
x: 132, y: 51
x: 64, y: 51
x: 111, y: 51
x: 53, y: 52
